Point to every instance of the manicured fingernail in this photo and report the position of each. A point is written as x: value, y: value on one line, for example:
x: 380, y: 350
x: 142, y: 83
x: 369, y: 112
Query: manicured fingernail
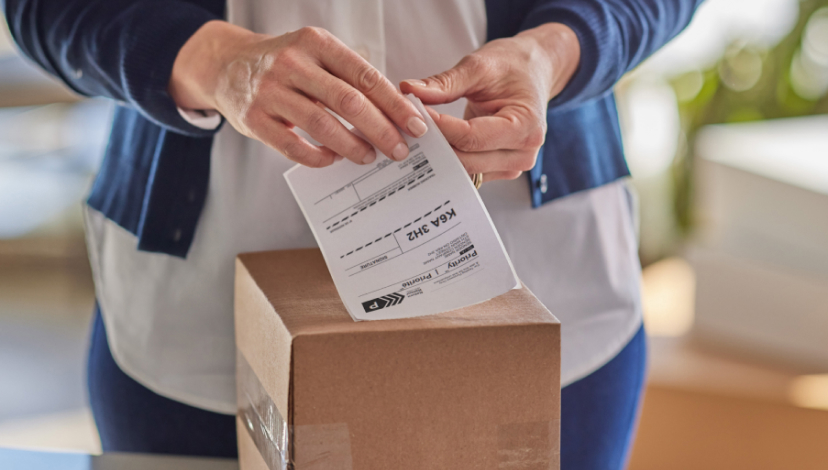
x: 338, y: 157
x: 417, y: 127
x: 400, y: 151
x: 416, y: 82
x: 370, y: 157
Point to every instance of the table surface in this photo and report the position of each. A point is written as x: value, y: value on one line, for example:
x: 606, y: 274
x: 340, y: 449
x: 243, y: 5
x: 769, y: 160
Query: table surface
x: 13, y: 459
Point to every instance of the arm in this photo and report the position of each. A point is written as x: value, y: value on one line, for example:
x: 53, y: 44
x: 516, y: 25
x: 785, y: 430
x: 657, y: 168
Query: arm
x: 120, y: 49
x: 614, y: 35
x: 157, y: 54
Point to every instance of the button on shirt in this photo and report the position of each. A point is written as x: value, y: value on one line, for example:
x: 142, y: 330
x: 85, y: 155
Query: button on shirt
x: 170, y: 320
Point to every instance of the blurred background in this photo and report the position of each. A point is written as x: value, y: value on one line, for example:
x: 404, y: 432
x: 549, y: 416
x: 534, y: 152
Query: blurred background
x: 726, y: 134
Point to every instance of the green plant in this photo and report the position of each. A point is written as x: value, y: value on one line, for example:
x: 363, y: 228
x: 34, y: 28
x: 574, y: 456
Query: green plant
x: 747, y: 84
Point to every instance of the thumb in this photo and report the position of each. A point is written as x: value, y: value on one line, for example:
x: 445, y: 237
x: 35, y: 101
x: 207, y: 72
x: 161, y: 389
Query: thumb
x: 444, y: 87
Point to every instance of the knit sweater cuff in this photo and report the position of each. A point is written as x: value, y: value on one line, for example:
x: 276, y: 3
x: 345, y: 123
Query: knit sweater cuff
x: 589, y: 79
x: 147, y: 64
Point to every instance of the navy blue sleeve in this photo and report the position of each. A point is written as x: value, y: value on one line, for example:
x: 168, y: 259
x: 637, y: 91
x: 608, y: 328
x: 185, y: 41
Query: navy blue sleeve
x: 615, y: 36
x: 121, y: 49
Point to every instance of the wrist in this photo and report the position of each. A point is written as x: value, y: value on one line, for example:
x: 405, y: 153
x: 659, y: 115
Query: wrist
x: 201, y: 61
x: 561, y: 50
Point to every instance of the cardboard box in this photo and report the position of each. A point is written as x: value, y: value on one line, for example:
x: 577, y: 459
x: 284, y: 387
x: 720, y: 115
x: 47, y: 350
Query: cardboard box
x: 761, y: 247
x: 475, y: 388
x: 762, y: 192
x: 774, y: 313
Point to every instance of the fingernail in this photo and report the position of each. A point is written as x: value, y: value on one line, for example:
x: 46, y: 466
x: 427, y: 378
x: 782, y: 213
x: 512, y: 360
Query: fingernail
x: 370, y: 157
x: 416, y: 82
x: 417, y: 127
x: 400, y: 151
x: 338, y: 157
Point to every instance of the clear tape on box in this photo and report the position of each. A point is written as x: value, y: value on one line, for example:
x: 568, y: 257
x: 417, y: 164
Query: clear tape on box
x: 260, y: 417
x: 322, y: 446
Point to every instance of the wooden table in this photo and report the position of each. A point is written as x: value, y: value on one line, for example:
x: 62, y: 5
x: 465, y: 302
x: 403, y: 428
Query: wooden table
x: 11, y: 459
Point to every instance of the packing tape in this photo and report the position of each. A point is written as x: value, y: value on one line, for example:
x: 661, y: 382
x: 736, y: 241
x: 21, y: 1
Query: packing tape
x: 529, y: 446
x: 260, y: 417
x: 283, y: 447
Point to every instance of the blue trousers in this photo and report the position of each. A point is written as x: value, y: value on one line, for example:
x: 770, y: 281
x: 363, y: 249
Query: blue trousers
x: 598, y: 413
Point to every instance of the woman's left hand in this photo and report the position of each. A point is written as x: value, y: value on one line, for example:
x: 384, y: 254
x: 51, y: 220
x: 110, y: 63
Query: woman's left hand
x: 508, y: 83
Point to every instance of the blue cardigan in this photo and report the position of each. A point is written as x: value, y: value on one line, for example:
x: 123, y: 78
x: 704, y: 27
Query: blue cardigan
x: 154, y: 178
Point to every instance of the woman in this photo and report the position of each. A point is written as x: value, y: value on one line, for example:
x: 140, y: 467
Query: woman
x: 531, y: 92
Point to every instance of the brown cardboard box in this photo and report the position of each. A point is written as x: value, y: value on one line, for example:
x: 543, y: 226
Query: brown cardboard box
x: 475, y: 388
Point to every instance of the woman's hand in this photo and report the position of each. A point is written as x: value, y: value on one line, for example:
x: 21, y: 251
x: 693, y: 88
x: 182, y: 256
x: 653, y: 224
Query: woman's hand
x: 265, y: 85
x: 508, y: 83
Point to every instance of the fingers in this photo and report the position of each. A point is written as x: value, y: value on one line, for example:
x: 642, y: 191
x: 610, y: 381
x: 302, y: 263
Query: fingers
x: 505, y: 130
x: 281, y: 137
x: 357, y: 109
x: 498, y: 161
x: 435, y: 116
x: 324, y: 128
x: 447, y: 86
x: 274, y: 83
x: 346, y: 64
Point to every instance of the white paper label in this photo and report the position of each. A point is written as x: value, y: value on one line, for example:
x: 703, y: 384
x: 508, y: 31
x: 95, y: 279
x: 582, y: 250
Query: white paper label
x: 404, y: 239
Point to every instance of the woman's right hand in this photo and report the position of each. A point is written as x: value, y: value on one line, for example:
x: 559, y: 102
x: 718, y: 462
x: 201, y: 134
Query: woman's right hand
x: 265, y: 85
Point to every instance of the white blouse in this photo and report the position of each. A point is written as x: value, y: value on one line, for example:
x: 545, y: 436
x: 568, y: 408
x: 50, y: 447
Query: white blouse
x: 170, y: 321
